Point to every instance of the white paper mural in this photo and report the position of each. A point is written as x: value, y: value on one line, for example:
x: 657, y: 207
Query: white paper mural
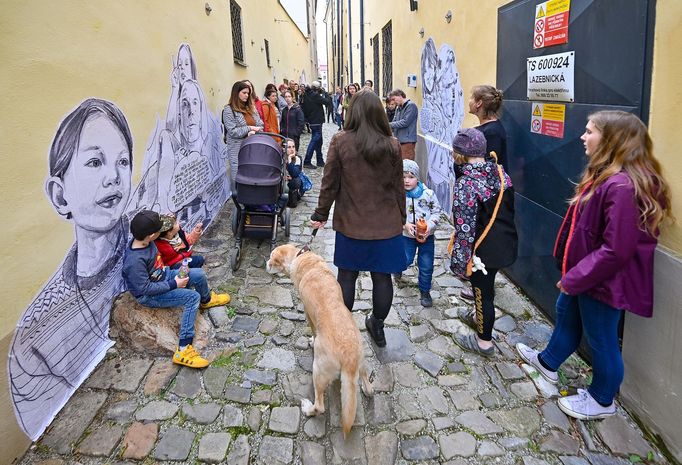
x: 63, y: 334
x: 441, y: 117
x: 185, y: 163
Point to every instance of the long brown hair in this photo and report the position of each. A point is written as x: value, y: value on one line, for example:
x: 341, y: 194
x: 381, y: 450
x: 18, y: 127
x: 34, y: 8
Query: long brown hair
x: 235, y: 103
x: 625, y: 145
x: 367, y: 118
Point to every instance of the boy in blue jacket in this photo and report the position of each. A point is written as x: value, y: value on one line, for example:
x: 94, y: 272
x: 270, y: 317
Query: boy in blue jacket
x: 155, y: 285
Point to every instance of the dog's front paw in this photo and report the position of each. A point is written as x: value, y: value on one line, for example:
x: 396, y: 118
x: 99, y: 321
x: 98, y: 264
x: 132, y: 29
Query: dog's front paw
x: 367, y: 390
x: 307, y: 407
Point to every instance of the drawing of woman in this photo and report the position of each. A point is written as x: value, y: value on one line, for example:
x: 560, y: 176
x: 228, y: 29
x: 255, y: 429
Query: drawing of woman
x: 63, y: 334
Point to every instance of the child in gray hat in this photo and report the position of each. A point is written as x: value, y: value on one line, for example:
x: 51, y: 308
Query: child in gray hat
x: 485, y: 235
x: 421, y: 204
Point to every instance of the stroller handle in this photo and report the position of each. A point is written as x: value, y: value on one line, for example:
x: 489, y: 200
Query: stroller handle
x: 272, y: 134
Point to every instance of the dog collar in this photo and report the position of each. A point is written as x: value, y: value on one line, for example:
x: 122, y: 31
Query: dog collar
x: 303, y: 250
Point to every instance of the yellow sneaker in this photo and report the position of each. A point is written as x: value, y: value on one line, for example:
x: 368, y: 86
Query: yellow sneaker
x: 189, y: 358
x: 216, y: 300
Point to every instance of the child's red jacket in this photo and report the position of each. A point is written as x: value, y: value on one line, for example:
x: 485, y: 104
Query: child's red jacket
x: 168, y: 254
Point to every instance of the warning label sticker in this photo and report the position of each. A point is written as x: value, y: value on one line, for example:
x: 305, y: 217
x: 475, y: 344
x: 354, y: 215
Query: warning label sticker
x: 551, y: 23
x: 548, y: 119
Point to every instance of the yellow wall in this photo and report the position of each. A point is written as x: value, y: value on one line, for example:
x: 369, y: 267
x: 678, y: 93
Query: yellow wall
x: 472, y: 33
x: 55, y: 54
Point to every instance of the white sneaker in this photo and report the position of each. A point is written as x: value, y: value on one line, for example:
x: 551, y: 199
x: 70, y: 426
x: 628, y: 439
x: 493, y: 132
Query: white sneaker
x: 530, y: 356
x: 583, y: 406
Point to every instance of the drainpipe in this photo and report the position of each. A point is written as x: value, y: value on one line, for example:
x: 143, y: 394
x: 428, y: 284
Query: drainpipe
x: 350, y: 42
x: 362, y: 41
x: 339, y: 44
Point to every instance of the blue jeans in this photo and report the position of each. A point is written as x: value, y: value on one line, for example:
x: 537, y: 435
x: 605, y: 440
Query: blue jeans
x: 424, y: 259
x: 315, y: 144
x: 196, y: 262
x: 338, y: 120
x: 188, y: 298
x: 599, y: 322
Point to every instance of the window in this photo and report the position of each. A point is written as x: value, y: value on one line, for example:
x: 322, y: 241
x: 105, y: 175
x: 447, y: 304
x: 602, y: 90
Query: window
x: 267, y: 53
x: 375, y: 49
x: 387, y: 57
x: 237, y: 36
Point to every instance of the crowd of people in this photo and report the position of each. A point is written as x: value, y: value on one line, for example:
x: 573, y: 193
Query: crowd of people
x: 385, y: 216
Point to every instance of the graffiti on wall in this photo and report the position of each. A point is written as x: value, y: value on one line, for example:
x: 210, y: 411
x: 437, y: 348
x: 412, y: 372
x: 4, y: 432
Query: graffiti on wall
x: 441, y: 117
x: 64, y: 333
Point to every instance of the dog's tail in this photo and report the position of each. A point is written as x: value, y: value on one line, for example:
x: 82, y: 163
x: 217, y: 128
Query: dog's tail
x: 349, y: 384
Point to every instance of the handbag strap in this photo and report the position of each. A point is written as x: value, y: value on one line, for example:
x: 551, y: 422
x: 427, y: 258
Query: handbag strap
x: 497, y: 206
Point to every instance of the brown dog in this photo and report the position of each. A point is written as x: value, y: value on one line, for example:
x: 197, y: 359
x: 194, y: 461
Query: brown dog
x: 337, y: 343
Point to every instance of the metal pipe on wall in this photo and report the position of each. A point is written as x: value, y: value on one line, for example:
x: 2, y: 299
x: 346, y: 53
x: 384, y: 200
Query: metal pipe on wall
x: 362, y: 41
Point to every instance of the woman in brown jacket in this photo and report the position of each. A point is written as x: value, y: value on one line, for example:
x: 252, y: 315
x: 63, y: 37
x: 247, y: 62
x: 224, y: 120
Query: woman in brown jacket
x: 270, y: 118
x: 363, y: 175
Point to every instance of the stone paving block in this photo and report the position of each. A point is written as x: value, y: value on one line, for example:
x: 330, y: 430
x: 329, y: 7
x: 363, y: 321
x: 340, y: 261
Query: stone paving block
x: 478, y: 423
x: 215, y: 379
x: 441, y: 423
x: 315, y: 427
x: 490, y: 400
x: 527, y: 460
x: 275, y: 296
x: 420, y: 333
x: 621, y: 438
x: 263, y: 377
x: 334, y: 396
x: 407, y: 375
x: 449, y: 327
x: 311, y: 453
x: 298, y: 386
x: 463, y: 400
x: 350, y: 450
x: 213, y: 447
x: 159, y: 377
x: 262, y: 396
x: 445, y: 347
x: 120, y: 374
x: 524, y: 390
x: 102, y: 441
x: 293, y: 316
x: 421, y: 448
x: 522, y: 421
x: 253, y: 418
x: 603, y: 459
x: 559, y: 443
x: 380, y: 409
x: 121, y: 412
x: 218, y: 316
x: 286, y: 328
x: 285, y: 419
x: 553, y: 415
x: 510, y: 371
x: 460, y: 444
x: 278, y: 359
x: 410, y: 427
x: 139, y: 440
x: 505, y: 324
x: 572, y: 460
x: 245, y: 324
x: 156, y: 410
x: 450, y: 380
x: 381, y: 449
x: 174, y: 444
x: 254, y: 341
x: 276, y: 450
x: 546, y: 389
x: 489, y: 449
x: 429, y: 362
x: 232, y: 416
x: 305, y: 362
x: 268, y: 326
x: 187, y: 383
x: 203, y: 414
x: 73, y: 420
x: 433, y: 401
x: 511, y: 302
x: 407, y: 407
x: 398, y: 348
x: 513, y: 443
x: 237, y: 394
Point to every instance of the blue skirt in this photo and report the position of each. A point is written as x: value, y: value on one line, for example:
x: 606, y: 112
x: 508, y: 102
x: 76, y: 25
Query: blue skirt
x: 379, y: 255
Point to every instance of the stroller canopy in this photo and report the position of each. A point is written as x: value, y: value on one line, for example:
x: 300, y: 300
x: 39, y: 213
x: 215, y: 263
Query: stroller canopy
x: 259, y: 161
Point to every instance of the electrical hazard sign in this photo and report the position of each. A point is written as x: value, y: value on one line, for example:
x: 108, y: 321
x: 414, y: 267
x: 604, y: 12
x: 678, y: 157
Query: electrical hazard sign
x: 548, y: 119
x: 551, y: 23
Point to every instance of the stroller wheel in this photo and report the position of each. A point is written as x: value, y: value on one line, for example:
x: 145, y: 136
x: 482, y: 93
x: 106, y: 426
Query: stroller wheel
x: 235, y: 259
x: 236, y: 217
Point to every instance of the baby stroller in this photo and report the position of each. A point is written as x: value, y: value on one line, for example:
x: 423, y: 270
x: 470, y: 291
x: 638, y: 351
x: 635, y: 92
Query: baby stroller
x: 260, y: 196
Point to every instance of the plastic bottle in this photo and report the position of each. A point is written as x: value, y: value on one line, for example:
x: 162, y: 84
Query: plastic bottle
x: 183, y: 271
x: 420, y: 233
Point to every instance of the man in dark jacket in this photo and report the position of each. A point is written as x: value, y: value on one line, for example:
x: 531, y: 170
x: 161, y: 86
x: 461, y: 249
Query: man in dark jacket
x: 313, y: 109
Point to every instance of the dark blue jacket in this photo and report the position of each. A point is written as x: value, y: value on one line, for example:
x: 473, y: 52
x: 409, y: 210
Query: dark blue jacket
x: 292, y: 122
x: 144, y: 273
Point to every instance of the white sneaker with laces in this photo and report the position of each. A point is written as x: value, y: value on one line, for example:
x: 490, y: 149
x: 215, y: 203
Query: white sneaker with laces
x: 530, y: 356
x: 583, y: 406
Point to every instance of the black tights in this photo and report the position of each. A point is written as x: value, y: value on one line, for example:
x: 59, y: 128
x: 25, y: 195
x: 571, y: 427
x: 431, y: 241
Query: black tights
x: 484, y: 297
x: 382, y: 291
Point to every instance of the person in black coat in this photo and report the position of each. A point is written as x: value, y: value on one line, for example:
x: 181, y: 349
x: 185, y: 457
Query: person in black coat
x: 313, y: 109
x: 292, y: 120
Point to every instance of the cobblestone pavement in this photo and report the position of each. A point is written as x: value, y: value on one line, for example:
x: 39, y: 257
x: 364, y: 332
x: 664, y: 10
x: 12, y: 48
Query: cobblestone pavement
x: 433, y: 403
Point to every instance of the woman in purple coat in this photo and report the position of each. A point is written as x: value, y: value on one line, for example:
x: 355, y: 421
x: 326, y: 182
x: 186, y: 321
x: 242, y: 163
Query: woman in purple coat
x: 605, y: 249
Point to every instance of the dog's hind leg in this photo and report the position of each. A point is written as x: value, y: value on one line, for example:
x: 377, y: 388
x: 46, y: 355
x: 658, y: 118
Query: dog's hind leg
x: 322, y: 376
x: 367, y: 388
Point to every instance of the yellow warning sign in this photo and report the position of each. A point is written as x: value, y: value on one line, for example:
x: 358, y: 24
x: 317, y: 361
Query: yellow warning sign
x: 541, y: 13
x: 554, y: 112
x: 537, y: 111
x: 557, y: 6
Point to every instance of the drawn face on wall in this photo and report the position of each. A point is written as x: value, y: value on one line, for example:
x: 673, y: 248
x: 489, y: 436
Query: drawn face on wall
x: 185, y: 64
x: 96, y: 186
x: 190, y: 112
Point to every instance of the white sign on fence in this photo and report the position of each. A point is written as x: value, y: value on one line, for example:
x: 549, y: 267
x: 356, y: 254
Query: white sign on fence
x: 550, y: 77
